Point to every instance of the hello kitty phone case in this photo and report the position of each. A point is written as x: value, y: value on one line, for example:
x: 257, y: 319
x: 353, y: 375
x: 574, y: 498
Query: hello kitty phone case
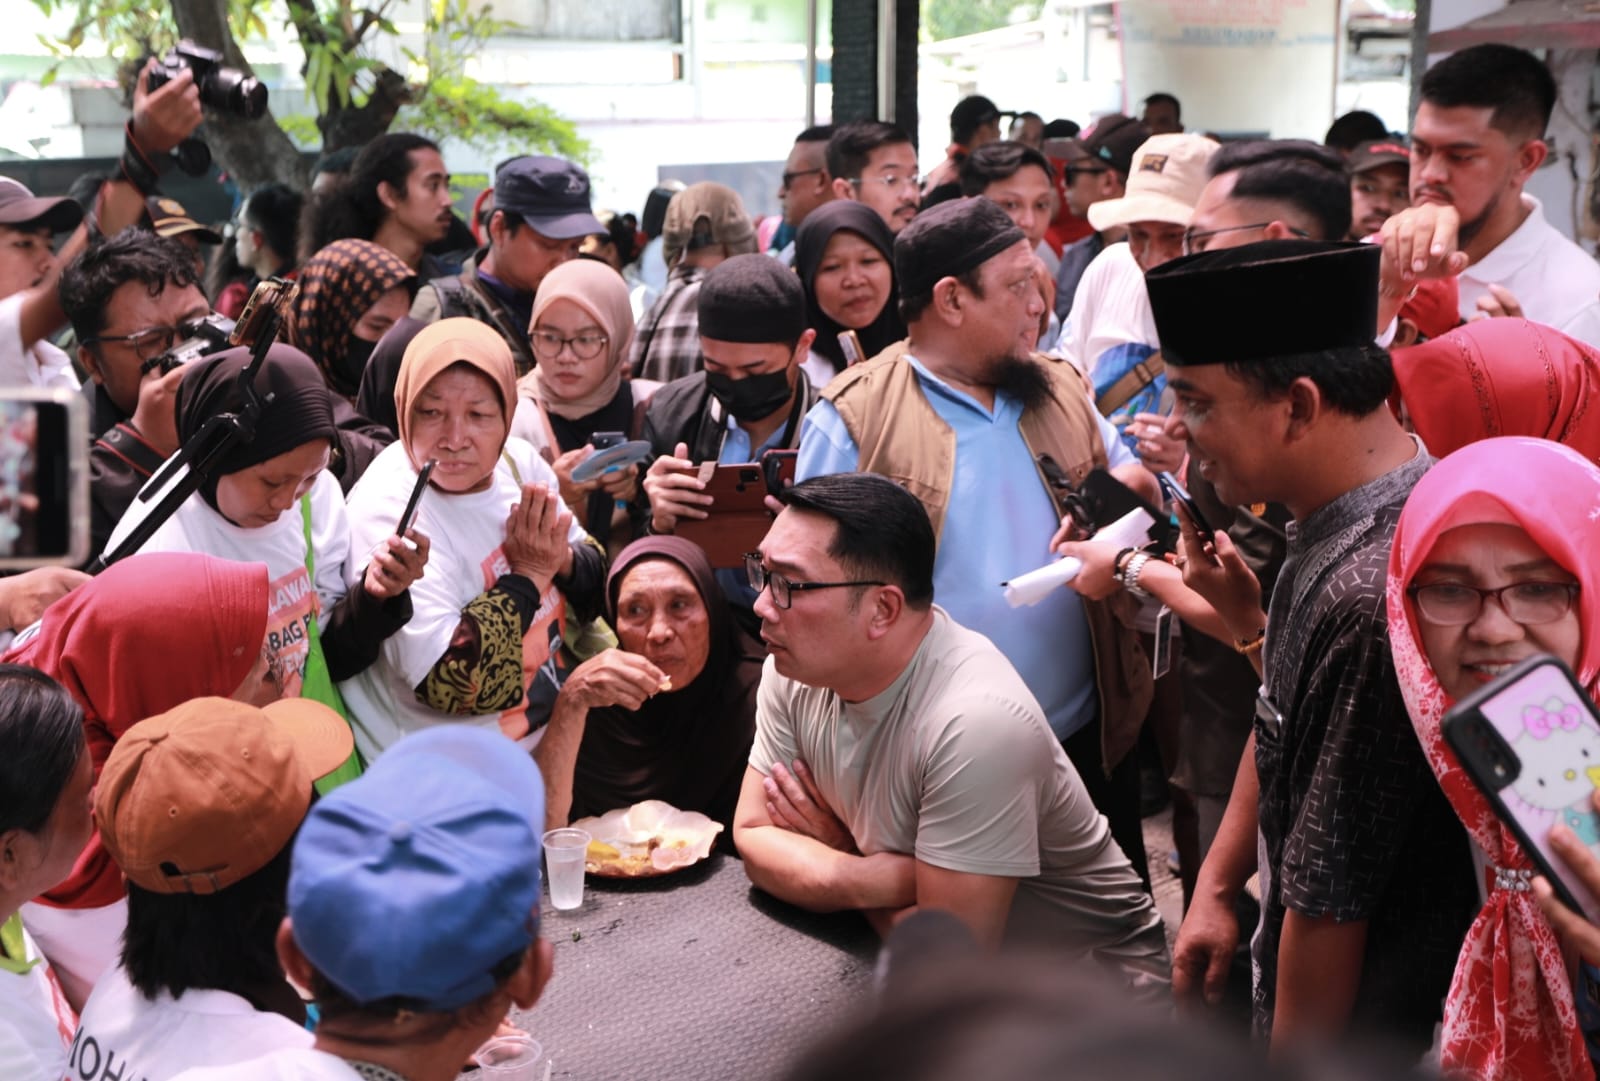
x: 1531, y: 741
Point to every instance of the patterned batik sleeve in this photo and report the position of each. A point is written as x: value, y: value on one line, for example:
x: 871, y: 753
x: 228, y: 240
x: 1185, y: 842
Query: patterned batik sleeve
x: 481, y: 670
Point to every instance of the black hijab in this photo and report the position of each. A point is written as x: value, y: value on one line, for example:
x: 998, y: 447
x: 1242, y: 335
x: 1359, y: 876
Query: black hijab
x: 689, y: 746
x: 809, y: 244
x: 300, y: 411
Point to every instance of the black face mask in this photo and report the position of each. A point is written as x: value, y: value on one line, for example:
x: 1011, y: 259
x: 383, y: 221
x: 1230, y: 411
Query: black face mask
x: 754, y: 397
x: 357, y: 352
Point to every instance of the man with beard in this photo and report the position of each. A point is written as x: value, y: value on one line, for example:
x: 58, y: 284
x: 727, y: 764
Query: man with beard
x: 1477, y: 138
x: 750, y: 397
x: 981, y: 432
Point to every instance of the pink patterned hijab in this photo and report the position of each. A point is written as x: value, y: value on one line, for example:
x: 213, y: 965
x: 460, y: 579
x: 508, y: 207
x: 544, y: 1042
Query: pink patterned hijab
x: 1510, y: 1011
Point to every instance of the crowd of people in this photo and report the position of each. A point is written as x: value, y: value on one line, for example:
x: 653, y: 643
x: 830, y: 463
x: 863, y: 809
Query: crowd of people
x: 555, y: 512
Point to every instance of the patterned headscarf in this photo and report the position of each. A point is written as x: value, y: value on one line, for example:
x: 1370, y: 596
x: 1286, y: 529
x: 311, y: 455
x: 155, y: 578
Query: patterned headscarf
x: 337, y: 286
x: 1510, y: 1011
x: 1496, y: 377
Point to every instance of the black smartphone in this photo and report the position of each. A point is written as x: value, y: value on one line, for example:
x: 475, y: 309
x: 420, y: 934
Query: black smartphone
x: 1104, y: 500
x: 1531, y: 742
x: 1176, y: 493
x: 777, y: 467
x: 44, y: 479
x: 409, y: 518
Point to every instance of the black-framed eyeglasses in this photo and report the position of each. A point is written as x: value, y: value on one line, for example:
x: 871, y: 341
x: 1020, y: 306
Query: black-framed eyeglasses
x: 1453, y: 604
x: 790, y: 178
x: 1194, y: 241
x: 150, y: 342
x: 1073, y: 172
x: 782, y: 589
x: 548, y: 344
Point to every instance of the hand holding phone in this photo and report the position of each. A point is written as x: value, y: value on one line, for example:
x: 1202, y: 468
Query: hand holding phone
x: 1530, y: 741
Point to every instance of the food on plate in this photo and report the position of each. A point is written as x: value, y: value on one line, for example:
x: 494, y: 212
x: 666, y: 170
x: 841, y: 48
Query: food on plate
x: 649, y: 838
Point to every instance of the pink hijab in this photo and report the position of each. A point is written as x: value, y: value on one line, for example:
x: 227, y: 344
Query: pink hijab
x: 1510, y: 1010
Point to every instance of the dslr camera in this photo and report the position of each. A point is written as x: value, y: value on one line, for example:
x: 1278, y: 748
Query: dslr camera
x: 222, y: 88
x: 217, y: 332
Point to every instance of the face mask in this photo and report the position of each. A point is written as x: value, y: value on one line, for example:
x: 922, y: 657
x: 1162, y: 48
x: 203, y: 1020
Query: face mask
x: 753, y: 397
x: 357, y: 352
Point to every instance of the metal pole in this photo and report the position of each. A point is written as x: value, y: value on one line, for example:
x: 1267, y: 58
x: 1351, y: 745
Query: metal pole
x: 811, y: 63
x: 886, y: 66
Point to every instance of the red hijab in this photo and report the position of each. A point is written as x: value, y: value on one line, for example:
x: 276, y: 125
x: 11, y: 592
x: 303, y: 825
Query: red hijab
x: 1494, y: 377
x: 1510, y: 1009
x: 148, y: 634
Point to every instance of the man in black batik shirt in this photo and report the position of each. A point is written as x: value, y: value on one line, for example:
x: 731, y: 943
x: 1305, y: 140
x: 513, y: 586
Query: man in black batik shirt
x: 1366, y: 876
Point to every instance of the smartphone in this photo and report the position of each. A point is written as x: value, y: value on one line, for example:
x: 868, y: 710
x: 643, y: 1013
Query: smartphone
x: 777, y: 469
x: 602, y: 440
x: 1175, y: 492
x: 44, y: 478
x: 1105, y: 500
x: 409, y: 518
x: 1531, y: 741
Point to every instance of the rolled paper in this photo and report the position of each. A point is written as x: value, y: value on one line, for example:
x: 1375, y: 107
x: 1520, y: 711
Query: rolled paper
x: 1036, y: 585
x: 1132, y: 530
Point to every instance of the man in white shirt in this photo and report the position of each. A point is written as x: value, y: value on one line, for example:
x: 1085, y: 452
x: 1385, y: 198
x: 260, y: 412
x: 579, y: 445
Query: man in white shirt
x: 198, y: 807
x: 1476, y: 140
x: 900, y: 762
x: 413, y: 912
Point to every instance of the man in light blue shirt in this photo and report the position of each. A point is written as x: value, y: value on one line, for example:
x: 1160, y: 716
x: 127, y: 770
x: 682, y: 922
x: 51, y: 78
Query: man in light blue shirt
x: 973, y: 307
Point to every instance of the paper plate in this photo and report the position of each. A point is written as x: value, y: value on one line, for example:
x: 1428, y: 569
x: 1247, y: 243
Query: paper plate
x: 648, y: 839
x: 622, y: 455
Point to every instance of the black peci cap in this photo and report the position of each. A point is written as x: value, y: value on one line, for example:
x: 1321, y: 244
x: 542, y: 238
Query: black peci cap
x: 1276, y: 298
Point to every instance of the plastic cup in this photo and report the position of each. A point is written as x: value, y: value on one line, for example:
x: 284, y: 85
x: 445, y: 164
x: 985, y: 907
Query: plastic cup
x: 564, y: 854
x: 510, y: 1058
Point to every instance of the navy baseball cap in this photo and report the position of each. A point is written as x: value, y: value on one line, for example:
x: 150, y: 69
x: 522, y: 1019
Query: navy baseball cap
x: 550, y: 194
x: 417, y: 879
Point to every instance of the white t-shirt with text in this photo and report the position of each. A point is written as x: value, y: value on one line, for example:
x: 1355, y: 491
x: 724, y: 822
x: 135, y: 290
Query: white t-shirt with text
x: 124, y: 1034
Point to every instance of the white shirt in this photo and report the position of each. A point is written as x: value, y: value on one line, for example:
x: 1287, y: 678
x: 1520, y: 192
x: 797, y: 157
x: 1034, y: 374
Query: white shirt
x: 195, y: 527
x: 467, y: 534
x: 297, y: 1065
x: 35, y: 1020
x: 1111, y: 307
x: 41, y: 365
x: 1556, y: 282
x: 157, y: 1039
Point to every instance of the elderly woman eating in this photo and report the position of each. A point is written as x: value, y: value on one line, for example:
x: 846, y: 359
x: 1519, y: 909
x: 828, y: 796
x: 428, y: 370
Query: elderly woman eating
x: 668, y: 716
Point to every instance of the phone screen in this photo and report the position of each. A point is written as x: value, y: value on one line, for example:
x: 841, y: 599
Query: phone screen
x: 39, y: 449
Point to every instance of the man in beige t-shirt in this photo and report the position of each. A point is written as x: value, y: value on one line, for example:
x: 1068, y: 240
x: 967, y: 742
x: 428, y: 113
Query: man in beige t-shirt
x: 900, y: 762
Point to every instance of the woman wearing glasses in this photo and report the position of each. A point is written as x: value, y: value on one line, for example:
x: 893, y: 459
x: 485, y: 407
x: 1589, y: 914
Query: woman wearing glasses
x: 582, y: 327
x: 1487, y: 569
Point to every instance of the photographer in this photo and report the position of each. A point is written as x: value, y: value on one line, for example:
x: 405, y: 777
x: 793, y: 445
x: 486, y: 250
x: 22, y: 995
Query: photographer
x: 128, y: 298
x: 29, y: 306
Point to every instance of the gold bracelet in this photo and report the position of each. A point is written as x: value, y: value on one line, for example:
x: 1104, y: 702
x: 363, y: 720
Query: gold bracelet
x: 1250, y: 645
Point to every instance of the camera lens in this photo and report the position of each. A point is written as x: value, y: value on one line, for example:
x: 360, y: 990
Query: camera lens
x: 232, y: 90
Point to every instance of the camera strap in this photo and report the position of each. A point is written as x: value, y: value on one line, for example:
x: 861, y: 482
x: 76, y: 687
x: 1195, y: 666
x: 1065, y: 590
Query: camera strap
x: 136, y: 166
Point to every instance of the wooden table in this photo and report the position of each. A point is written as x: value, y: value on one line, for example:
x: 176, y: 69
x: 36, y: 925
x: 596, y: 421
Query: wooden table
x: 695, y: 976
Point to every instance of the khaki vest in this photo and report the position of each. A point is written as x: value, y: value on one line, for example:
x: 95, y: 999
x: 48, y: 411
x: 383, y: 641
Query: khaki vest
x: 900, y: 436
